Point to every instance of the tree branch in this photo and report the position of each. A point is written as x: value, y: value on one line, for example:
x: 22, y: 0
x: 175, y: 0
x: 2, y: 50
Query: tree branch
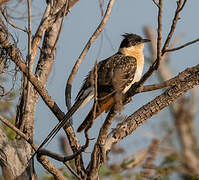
x: 180, y: 6
x: 186, y: 80
x: 9, y: 22
x: 84, y: 52
x: 57, y: 173
x: 182, y: 46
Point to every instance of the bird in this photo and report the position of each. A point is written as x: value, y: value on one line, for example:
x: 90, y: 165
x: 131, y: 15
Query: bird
x: 114, y: 74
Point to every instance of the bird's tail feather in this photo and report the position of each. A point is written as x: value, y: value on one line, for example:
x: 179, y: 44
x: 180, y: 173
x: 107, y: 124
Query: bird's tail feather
x: 61, y: 124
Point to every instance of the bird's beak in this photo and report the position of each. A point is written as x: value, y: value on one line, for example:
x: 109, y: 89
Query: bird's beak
x: 145, y: 40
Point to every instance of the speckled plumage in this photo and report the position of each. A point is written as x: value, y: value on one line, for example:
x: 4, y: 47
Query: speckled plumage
x: 116, y: 73
x: 106, y: 69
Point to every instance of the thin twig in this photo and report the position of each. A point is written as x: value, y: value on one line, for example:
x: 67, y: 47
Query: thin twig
x: 159, y: 38
x: 180, y: 6
x: 72, y: 171
x: 43, y: 26
x: 71, y: 4
x: 20, y: 133
x: 182, y: 46
x: 84, y: 52
x: 29, y: 33
x: 156, y: 3
x: 153, y: 87
x: 156, y: 63
x: 61, y: 25
x: 9, y: 22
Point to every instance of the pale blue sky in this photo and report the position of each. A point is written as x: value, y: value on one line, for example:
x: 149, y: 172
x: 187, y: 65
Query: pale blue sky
x: 127, y: 16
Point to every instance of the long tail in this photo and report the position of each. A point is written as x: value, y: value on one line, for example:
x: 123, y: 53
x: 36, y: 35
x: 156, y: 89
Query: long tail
x: 61, y: 124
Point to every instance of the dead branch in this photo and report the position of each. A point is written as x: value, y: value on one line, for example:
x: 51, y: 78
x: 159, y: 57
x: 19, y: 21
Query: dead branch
x: 156, y: 3
x: 182, y: 46
x: 190, y: 80
x: 183, y: 117
x: 180, y: 6
x: 170, y: 82
x: 84, y: 52
x: 10, y: 23
x: 186, y: 80
x: 57, y: 173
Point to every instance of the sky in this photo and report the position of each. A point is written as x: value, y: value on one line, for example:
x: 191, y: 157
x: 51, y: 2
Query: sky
x: 128, y: 16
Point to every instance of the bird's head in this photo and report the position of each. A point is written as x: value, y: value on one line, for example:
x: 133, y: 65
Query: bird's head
x: 132, y: 43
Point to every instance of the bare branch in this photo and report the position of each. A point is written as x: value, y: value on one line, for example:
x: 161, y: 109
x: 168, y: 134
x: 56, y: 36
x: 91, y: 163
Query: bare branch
x: 15, y: 56
x: 51, y: 168
x: 57, y: 173
x: 11, y: 126
x: 159, y: 38
x: 182, y: 46
x: 65, y: 11
x: 154, y: 1
x: 72, y: 171
x: 186, y: 80
x: 84, y: 52
x: 29, y: 35
x: 180, y: 6
x: 9, y: 22
x: 153, y: 87
x: 44, y: 24
x: 156, y: 63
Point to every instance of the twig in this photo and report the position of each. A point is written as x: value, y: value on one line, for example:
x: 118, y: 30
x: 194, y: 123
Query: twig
x: 51, y: 168
x: 16, y: 58
x: 156, y: 63
x: 156, y: 3
x: 153, y: 87
x: 44, y: 152
x: 28, y: 59
x: 72, y: 3
x: 99, y: 152
x: 20, y: 133
x: 182, y: 46
x: 72, y: 171
x: 9, y: 22
x: 65, y: 10
x: 44, y: 24
x: 180, y: 6
x: 29, y: 30
x: 84, y: 52
x: 159, y: 38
